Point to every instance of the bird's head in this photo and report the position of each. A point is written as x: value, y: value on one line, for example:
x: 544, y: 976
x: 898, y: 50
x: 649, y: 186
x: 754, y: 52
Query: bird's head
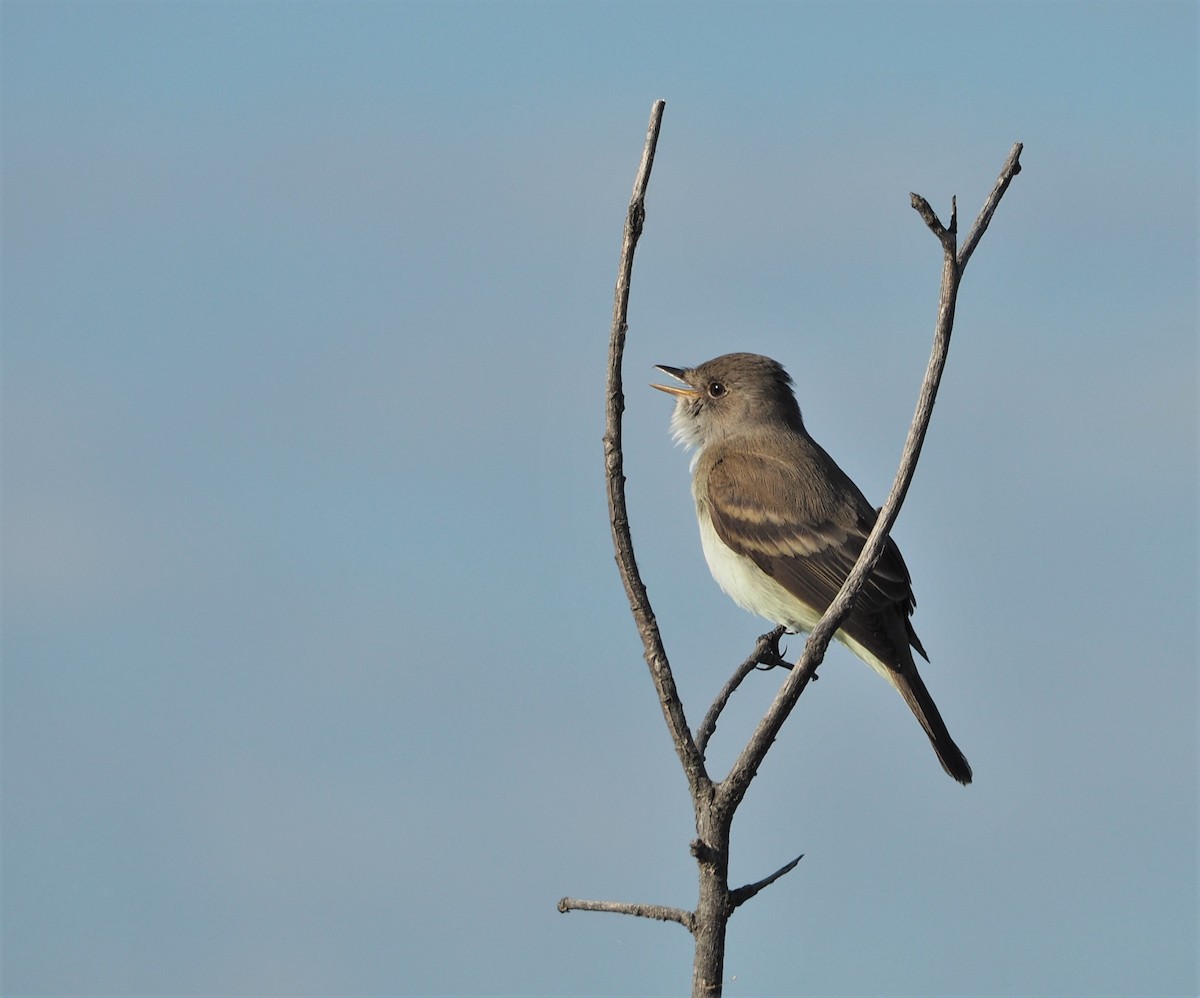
x: 729, y: 395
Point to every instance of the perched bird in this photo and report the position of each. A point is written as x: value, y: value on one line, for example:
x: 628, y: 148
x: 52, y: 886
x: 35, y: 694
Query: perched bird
x: 782, y: 525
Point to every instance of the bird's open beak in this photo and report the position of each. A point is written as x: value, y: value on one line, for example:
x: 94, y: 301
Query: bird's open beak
x: 687, y: 391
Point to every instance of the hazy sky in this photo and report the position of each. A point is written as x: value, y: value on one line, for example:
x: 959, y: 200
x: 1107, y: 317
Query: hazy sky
x: 318, y: 678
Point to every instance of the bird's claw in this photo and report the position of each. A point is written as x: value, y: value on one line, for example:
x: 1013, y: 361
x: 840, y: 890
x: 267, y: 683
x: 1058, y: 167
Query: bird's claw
x: 771, y: 656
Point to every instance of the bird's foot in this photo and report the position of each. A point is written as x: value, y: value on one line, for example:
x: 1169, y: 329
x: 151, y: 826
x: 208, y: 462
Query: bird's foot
x: 769, y: 654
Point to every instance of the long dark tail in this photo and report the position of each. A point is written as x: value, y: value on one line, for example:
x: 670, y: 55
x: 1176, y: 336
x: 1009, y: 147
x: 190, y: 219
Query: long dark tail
x: 917, y: 697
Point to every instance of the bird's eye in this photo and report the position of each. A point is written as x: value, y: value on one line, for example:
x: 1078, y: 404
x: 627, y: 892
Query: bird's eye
x: 716, y: 389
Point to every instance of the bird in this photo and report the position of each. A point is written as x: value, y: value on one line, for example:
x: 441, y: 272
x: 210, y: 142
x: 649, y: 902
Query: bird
x: 782, y: 525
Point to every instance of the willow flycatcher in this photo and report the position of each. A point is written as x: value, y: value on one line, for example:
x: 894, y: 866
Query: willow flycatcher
x: 782, y: 525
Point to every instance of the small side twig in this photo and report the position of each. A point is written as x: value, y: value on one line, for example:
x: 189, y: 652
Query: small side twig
x: 766, y: 654
x: 744, y: 894
x: 929, y: 217
x: 659, y: 912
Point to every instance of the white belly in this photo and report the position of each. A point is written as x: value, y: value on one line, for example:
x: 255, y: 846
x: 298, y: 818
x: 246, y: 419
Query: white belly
x: 752, y: 589
x: 749, y: 586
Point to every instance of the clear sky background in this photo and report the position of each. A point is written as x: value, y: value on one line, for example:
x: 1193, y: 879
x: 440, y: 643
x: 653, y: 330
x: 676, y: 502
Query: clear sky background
x: 318, y: 677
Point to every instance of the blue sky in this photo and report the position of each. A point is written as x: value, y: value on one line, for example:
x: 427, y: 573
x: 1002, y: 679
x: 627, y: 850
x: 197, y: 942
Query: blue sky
x: 318, y: 678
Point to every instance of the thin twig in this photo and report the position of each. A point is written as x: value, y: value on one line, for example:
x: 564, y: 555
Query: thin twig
x: 744, y: 894
x: 1012, y: 166
x: 658, y: 912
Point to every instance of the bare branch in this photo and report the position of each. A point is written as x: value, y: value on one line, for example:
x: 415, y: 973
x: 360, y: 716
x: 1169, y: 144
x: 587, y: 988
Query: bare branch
x: 635, y: 590
x: 766, y: 652
x: 658, y: 912
x: 744, y: 894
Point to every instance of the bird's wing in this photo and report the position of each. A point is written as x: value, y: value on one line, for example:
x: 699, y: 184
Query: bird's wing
x: 804, y: 523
